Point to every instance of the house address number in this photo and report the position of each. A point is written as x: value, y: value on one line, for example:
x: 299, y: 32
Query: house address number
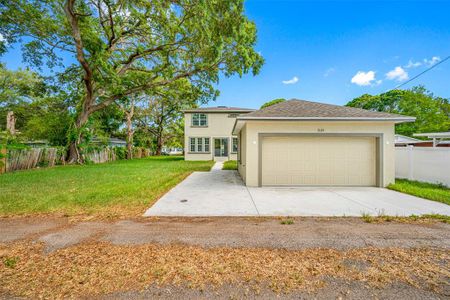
x: 320, y: 129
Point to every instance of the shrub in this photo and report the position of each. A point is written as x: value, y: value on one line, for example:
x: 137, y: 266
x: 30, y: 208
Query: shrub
x: 287, y: 222
x: 121, y: 152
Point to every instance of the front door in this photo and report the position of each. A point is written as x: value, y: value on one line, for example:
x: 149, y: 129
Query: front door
x: 221, y: 147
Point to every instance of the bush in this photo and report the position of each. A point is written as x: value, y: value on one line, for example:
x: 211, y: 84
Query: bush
x: 121, y: 152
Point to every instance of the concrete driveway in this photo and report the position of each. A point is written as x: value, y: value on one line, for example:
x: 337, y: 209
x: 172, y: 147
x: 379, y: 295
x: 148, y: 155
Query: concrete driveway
x: 222, y: 193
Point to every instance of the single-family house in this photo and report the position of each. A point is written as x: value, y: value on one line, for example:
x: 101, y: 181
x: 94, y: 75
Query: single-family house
x: 207, y: 133
x: 304, y: 143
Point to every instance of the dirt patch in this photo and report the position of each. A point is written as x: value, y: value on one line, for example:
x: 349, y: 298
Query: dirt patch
x: 12, y: 229
x: 73, y: 235
x: 91, y: 269
x: 334, y: 233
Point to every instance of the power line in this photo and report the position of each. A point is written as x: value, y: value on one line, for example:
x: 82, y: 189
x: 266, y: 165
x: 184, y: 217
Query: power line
x: 421, y: 73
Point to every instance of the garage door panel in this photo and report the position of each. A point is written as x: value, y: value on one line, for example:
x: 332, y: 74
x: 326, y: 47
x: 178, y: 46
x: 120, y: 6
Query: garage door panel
x: 319, y: 161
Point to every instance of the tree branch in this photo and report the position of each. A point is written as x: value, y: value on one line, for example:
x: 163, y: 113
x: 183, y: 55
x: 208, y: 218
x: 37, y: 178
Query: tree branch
x: 73, y: 20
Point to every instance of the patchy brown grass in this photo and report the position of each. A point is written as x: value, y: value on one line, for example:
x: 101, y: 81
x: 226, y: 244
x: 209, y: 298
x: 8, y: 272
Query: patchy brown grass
x: 91, y: 269
x: 413, y: 219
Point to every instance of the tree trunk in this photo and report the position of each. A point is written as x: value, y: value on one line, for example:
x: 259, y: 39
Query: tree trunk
x: 11, y: 123
x: 159, y: 137
x: 159, y: 145
x: 130, y: 133
x: 74, y: 155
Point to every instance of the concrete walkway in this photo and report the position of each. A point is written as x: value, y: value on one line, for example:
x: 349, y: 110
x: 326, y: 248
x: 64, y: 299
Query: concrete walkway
x: 222, y: 193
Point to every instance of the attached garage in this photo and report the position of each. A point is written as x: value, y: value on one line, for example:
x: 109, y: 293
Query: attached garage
x: 304, y: 143
x: 319, y: 160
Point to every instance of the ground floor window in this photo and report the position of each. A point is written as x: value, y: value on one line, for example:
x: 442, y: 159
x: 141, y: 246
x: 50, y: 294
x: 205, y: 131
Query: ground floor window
x: 199, y: 144
x: 234, y: 145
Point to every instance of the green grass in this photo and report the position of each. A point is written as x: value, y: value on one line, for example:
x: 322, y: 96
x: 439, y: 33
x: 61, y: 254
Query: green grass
x: 230, y: 165
x: 10, y: 262
x: 435, y: 192
x: 287, y: 222
x: 412, y: 218
x: 121, y: 188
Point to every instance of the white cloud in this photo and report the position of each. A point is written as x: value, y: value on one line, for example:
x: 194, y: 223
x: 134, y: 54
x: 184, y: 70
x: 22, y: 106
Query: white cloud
x: 2, y: 38
x: 398, y: 74
x: 328, y: 72
x: 413, y: 64
x: 294, y: 80
x: 432, y: 61
x: 365, y: 78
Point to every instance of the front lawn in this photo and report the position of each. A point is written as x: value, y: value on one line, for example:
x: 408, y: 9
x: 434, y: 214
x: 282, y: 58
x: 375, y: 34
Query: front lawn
x: 121, y: 188
x: 230, y: 165
x: 435, y: 192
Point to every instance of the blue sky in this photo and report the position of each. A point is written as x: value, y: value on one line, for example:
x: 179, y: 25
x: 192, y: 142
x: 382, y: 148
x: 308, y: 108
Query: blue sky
x: 317, y: 48
x: 326, y: 43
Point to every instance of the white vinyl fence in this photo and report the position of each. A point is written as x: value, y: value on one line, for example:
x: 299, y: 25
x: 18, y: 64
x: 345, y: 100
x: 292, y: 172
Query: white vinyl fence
x: 423, y: 164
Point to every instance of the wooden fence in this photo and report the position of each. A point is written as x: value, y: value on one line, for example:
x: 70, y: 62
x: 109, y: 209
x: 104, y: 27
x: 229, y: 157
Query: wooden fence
x: 25, y: 159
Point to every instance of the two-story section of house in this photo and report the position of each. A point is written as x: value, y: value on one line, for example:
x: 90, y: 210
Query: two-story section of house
x: 207, y: 133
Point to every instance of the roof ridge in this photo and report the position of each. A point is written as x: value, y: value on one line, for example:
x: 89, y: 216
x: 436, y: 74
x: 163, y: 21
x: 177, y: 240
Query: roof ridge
x: 298, y: 108
x: 341, y: 106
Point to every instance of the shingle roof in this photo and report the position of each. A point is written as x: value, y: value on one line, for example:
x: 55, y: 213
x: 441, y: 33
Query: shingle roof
x: 219, y: 109
x: 302, y: 109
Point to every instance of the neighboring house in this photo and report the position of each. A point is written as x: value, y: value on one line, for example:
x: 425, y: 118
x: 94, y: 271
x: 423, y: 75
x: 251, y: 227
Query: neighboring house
x: 37, y: 143
x: 298, y: 142
x: 112, y: 142
x: 172, y: 151
x: 208, y: 135
x: 115, y: 142
x: 438, y: 139
x: 403, y: 141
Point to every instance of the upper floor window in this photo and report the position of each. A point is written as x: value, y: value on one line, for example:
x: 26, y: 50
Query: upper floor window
x: 199, y: 120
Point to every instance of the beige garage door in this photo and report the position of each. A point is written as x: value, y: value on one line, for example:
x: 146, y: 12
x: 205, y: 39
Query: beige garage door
x: 336, y: 161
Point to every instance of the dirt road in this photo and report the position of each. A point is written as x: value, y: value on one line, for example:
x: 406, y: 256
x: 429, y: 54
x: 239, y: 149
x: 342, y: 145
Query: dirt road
x: 225, y: 258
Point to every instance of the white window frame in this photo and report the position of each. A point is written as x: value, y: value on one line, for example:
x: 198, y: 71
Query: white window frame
x: 198, y: 119
x: 199, y: 145
x: 234, y: 138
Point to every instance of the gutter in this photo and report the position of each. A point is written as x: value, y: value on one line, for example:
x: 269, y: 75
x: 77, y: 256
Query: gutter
x: 216, y: 111
x: 396, y: 120
x: 402, y: 119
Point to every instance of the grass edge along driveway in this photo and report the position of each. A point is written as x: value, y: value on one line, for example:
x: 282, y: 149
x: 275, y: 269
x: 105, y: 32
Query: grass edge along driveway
x: 430, y: 191
x: 118, y: 189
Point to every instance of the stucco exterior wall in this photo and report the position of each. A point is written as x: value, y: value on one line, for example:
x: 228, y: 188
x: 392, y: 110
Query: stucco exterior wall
x: 220, y: 125
x: 249, y: 169
x: 243, y: 152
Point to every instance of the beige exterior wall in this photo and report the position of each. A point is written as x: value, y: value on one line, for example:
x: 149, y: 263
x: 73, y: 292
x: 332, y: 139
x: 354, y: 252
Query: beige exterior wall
x: 219, y: 126
x: 249, y: 168
x: 243, y: 152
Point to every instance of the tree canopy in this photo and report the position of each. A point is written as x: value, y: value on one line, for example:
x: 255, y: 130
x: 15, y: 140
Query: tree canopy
x: 432, y: 113
x: 123, y: 47
x: 272, y: 102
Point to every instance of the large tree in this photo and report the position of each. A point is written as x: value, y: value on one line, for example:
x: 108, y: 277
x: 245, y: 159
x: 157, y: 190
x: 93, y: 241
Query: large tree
x: 17, y: 90
x: 123, y: 47
x: 162, y: 117
x: 431, y: 112
x: 272, y: 102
